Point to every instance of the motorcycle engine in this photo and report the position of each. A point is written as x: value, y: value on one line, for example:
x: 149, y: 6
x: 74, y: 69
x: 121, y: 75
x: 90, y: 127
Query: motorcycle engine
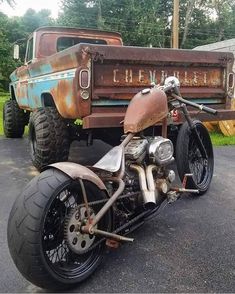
x: 160, y: 151
x: 136, y: 149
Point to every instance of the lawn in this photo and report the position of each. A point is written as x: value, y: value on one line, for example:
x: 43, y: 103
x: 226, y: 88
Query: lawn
x: 217, y: 138
x: 3, y: 98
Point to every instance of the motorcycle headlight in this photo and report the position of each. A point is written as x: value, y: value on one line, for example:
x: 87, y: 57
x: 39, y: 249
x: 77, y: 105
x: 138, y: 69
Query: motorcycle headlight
x: 161, y: 150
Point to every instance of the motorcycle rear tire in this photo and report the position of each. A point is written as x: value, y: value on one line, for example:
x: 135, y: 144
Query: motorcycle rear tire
x: 36, y: 228
x: 189, y: 159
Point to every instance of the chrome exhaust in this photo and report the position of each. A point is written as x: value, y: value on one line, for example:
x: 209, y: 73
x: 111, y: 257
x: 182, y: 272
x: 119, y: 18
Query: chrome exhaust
x: 149, y: 193
x: 150, y: 180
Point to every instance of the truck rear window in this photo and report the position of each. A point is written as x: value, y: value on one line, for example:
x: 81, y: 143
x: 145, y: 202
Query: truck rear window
x: 66, y: 42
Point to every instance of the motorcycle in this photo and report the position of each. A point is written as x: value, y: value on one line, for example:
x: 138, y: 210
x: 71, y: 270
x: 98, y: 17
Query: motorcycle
x: 65, y: 218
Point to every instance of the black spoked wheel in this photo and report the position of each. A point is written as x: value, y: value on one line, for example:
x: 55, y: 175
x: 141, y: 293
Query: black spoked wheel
x: 55, y: 254
x: 190, y: 159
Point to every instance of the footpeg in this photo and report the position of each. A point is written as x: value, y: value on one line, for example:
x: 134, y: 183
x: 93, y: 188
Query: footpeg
x: 183, y: 190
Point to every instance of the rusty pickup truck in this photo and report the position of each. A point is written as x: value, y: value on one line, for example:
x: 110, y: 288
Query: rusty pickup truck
x: 77, y: 84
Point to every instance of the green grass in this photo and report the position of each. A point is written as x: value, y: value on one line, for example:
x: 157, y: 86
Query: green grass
x: 3, y: 98
x: 219, y: 139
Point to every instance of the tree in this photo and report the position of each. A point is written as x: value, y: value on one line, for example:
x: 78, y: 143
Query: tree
x: 140, y: 24
x: 190, y: 6
x: 13, y: 29
x: 149, y: 22
x: 9, y: 2
x: 7, y: 63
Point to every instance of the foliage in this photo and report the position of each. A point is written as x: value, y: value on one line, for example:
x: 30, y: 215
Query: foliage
x: 3, y: 98
x: 149, y: 22
x: 219, y: 139
x: 9, y: 2
x: 16, y: 30
x: 140, y: 24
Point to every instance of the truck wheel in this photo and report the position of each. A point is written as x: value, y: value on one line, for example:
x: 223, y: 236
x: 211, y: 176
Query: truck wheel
x: 13, y: 120
x: 190, y: 160
x: 48, y: 137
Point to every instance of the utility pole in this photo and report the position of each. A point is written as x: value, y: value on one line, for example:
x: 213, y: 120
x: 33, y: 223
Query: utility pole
x: 176, y: 24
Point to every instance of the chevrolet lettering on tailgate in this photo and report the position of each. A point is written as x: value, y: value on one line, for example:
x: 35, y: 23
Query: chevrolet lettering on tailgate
x: 126, y: 75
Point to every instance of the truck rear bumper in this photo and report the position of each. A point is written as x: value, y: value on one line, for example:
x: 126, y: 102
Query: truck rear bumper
x: 115, y: 119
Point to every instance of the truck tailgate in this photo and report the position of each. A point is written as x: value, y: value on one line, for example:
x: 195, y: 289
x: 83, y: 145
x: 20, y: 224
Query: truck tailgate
x: 120, y: 72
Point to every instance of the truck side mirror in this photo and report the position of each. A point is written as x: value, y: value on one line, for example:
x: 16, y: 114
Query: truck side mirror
x: 16, y: 54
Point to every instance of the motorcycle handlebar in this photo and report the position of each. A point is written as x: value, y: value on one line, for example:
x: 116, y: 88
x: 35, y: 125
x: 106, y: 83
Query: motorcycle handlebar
x: 209, y: 110
x: 172, y: 88
x: 195, y: 105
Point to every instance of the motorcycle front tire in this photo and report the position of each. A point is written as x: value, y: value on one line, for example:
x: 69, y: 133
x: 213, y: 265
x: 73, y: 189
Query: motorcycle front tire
x: 189, y: 159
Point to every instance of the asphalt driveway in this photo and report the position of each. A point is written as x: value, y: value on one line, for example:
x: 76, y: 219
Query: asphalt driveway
x: 189, y: 247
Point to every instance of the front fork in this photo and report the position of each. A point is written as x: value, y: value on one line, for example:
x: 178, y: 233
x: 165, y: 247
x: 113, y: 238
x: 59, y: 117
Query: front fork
x: 194, y: 130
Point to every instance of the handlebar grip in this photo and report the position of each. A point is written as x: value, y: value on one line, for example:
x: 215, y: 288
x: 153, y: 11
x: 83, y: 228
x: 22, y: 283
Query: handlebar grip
x: 209, y: 110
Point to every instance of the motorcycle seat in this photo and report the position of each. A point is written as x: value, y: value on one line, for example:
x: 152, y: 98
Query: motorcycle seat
x: 111, y: 161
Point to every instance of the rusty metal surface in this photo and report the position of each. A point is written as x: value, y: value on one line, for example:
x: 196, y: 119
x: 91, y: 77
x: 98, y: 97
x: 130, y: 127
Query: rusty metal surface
x: 145, y: 110
x: 126, y: 75
x: 113, y: 119
x: 163, y: 55
x: 125, y: 71
x: 110, y: 119
x: 222, y: 114
x: 77, y: 171
x: 58, y: 76
x: 46, y: 41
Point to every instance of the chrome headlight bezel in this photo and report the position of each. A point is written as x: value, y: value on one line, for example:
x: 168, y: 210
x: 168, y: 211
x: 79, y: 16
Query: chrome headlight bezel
x: 160, y: 150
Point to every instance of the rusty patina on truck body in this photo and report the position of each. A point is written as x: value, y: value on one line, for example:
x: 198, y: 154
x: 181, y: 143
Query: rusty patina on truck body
x: 95, y: 79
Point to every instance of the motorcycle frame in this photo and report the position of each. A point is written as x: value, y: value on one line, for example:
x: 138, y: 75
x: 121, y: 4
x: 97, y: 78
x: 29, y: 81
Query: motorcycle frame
x: 89, y: 229
x: 118, y: 179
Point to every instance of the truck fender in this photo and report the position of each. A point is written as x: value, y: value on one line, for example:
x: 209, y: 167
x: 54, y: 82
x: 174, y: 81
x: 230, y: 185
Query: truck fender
x: 77, y: 171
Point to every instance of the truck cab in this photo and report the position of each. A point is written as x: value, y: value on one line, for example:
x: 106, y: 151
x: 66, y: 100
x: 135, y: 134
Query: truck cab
x: 47, y: 41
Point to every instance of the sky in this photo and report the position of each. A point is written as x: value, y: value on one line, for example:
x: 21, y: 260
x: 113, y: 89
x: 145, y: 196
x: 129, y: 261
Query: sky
x: 22, y: 5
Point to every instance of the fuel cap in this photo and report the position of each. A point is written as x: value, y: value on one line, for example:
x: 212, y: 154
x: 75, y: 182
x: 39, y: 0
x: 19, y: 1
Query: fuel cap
x: 145, y: 91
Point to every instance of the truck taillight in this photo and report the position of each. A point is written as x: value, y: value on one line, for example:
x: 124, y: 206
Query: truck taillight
x: 84, y: 79
x: 175, y: 115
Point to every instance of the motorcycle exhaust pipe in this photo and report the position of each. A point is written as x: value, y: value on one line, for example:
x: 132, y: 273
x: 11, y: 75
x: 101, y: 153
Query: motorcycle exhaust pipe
x: 150, y: 181
x: 149, y: 195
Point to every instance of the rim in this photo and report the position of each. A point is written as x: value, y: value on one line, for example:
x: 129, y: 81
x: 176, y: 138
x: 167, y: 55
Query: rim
x: 200, y: 167
x: 57, y: 252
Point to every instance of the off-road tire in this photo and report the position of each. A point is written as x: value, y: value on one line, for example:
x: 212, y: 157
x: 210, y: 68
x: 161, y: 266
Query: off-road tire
x: 48, y: 137
x: 13, y: 120
x: 184, y: 146
x: 26, y: 226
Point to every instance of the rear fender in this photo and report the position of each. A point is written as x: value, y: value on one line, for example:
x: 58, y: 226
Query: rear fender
x: 77, y: 171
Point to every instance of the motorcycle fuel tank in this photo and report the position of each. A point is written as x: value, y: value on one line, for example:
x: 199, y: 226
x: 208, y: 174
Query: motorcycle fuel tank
x: 145, y: 109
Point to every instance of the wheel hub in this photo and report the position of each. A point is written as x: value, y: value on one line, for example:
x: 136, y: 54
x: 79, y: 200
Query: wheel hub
x: 77, y: 241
